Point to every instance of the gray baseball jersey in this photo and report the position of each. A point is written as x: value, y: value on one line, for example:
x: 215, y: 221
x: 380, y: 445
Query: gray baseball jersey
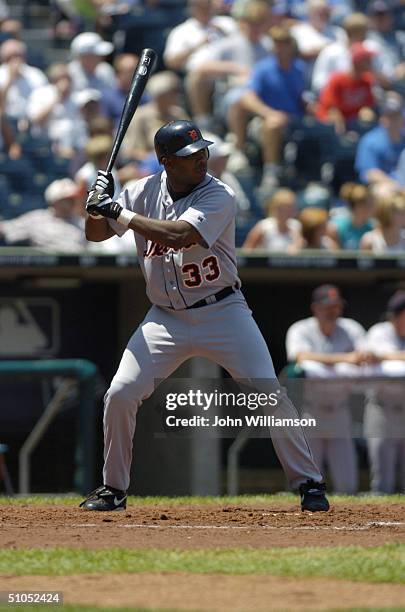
x: 179, y: 278
x: 382, y: 338
x: 171, y: 333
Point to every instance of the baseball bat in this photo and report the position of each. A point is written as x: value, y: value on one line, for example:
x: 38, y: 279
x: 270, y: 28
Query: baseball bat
x: 141, y: 75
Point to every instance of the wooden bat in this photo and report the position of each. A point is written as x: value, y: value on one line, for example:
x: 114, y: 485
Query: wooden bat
x: 139, y: 80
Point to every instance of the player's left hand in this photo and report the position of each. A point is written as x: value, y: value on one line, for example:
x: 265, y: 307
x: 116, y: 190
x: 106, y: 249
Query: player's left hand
x: 101, y: 205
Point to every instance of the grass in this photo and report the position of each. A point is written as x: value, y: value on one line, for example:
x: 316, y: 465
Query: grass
x: 74, y: 500
x: 374, y: 564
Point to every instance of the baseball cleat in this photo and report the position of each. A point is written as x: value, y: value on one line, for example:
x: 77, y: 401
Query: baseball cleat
x: 105, y: 499
x: 313, y: 496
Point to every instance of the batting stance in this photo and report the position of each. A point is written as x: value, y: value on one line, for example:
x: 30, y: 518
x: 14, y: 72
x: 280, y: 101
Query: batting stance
x: 183, y: 221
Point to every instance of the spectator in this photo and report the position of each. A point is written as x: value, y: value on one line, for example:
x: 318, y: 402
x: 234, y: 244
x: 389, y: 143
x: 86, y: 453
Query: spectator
x: 379, y: 149
x: 275, y: 94
x: 389, y: 234
x: 218, y: 167
x: 348, y: 229
x: 57, y: 228
x: 17, y: 79
x: 98, y: 150
x: 221, y: 69
x: 113, y: 98
x: 336, y: 56
x: 314, y: 222
x: 280, y: 231
x: 315, y: 34
x: 53, y: 113
x: 329, y: 346
x: 202, y: 27
x: 390, y: 41
x: 384, y: 418
x: 164, y: 106
x: 347, y: 94
x: 87, y: 68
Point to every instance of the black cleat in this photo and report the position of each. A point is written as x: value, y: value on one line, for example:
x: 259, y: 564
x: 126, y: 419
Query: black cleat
x: 105, y: 499
x: 313, y: 496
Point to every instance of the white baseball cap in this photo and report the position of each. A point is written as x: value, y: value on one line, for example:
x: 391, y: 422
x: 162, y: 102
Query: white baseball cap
x: 81, y: 98
x: 219, y: 147
x: 59, y: 190
x: 90, y: 43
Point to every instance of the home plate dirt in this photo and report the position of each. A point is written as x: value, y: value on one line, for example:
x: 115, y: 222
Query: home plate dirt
x: 203, y: 527
x: 195, y: 526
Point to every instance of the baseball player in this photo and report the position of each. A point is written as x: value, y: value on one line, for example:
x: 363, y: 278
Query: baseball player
x: 183, y: 221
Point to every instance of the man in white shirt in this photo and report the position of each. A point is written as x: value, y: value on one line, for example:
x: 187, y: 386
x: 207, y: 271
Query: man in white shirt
x: 201, y: 28
x: 384, y: 418
x: 328, y: 347
x: 88, y: 69
x: 17, y: 79
x: 58, y: 228
x: 54, y: 113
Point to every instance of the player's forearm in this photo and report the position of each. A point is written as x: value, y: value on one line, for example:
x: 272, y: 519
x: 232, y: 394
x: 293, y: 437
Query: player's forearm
x: 325, y: 358
x: 98, y: 230
x: 394, y: 356
x: 175, y: 234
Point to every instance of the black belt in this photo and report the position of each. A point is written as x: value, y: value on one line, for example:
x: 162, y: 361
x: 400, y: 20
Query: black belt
x: 212, y: 299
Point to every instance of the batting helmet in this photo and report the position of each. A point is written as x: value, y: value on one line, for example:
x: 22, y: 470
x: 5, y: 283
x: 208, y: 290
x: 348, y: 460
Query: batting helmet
x: 180, y: 138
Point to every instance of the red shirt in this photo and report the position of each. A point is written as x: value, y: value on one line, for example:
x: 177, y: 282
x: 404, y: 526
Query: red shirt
x: 346, y: 93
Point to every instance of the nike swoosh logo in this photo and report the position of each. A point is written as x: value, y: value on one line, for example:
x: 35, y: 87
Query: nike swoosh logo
x: 117, y: 502
x: 102, y: 196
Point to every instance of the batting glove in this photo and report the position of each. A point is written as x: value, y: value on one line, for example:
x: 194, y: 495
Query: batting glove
x: 101, y: 191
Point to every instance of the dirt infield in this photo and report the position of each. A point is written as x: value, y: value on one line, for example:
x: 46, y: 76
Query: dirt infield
x: 205, y: 527
x: 189, y: 527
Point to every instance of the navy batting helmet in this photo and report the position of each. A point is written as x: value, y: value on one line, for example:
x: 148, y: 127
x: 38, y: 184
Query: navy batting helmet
x: 180, y: 138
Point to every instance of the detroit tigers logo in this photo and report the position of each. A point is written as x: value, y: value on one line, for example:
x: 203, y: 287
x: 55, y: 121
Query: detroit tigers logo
x: 154, y: 249
x: 193, y: 135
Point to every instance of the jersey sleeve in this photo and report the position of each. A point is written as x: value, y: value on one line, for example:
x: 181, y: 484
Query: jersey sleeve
x: 211, y: 213
x: 379, y: 341
x: 357, y: 334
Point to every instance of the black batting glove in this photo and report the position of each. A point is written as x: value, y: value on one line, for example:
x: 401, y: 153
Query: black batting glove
x: 103, y: 206
x: 99, y: 200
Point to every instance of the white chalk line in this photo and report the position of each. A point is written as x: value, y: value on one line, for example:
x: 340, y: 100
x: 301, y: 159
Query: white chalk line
x: 364, y: 527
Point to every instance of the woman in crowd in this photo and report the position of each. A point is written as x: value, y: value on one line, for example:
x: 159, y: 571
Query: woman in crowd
x: 280, y: 231
x: 348, y: 229
x: 389, y: 234
x: 314, y: 223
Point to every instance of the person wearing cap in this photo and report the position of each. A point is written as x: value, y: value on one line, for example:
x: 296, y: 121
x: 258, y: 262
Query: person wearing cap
x: 379, y: 150
x: 201, y: 28
x: 165, y: 104
x: 17, y: 79
x: 347, y: 95
x: 274, y: 95
x: 280, y: 231
x: 57, y: 228
x: 390, y: 40
x: 183, y: 223
x: 220, y: 152
x: 336, y: 57
x: 384, y: 418
x: 87, y: 68
x: 53, y: 113
x: 329, y: 347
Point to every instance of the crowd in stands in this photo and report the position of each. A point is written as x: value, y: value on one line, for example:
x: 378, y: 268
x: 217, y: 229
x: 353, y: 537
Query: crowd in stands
x: 304, y: 100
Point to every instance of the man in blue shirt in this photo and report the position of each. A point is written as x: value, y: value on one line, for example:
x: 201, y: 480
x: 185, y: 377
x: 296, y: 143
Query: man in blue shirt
x: 379, y: 149
x: 275, y: 94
